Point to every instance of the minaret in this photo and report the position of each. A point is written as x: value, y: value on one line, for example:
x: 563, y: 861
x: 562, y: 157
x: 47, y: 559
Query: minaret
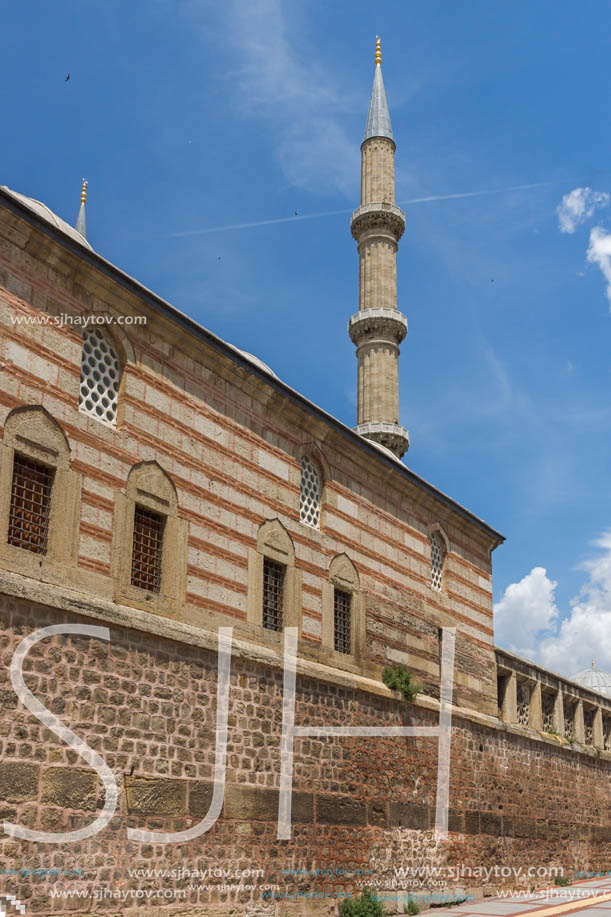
x: 378, y: 327
x: 81, y: 225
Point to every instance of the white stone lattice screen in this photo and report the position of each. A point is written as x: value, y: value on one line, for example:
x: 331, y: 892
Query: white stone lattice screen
x: 436, y: 562
x: 588, y: 726
x: 523, y: 704
x: 607, y: 733
x: 569, y: 719
x: 311, y: 490
x: 100, y: 375
x: 547, y: 711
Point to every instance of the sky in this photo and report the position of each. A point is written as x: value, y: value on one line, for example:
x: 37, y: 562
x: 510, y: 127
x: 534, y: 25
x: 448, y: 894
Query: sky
x: 221, y: 142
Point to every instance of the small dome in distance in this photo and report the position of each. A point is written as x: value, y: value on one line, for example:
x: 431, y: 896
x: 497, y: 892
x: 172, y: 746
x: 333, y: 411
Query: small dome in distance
x: 594, y: 680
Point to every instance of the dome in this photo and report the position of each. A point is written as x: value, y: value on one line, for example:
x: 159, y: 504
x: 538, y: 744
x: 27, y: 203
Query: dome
x: 595, y: 680
x: 257, y: 362
x: 43, y: 211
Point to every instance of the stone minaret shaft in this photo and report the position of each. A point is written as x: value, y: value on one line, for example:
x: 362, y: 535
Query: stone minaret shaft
x: 378, y: 327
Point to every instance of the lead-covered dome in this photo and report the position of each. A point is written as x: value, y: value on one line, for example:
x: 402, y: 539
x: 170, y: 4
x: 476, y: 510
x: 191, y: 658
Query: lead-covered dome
x: 595, y: 680
x: 43, y: 211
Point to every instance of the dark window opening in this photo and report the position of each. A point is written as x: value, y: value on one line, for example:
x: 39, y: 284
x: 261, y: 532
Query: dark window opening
x: 147, y: 549
x: 30, y: 508
x: 342, y: 602
x: 273, y: 594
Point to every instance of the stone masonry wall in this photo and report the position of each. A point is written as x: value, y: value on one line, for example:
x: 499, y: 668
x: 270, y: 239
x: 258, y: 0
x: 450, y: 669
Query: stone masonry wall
x: 231, y: 443
x: 147, y: 705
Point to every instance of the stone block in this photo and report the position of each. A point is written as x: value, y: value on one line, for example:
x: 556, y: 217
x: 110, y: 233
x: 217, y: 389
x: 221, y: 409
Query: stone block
x: 70, y: 788
x: 18, y: 782
x: 410, y: 815
x: 340, y: 810
x: 491, y: 824
x: 155, y: 796
x: 249, y: 803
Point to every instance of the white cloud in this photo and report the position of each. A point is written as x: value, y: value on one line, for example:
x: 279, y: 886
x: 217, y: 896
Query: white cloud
x: 302, y: 103
x: 599, y: 252
x: 526, y: 610
x: 578, y: 206
x: 527, y: 613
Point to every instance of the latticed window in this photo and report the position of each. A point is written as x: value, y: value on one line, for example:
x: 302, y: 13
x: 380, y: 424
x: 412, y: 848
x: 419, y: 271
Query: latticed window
x: 311, y: 491
x: 523, y: 698
x: 147, y: 549
x: 342, y: 602
x: 607, y: 733
x: 569, y: 720
x: 547, y: 711
x: 273, y: 594
x: 100, y: 375
x: 588, y: 726
x: 437, y: 554
x: 30, y: 507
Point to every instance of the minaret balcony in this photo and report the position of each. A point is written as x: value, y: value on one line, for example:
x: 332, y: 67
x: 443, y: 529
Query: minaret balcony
x: 378, y: 216
x: 384, y: 324
x: 390, y: 435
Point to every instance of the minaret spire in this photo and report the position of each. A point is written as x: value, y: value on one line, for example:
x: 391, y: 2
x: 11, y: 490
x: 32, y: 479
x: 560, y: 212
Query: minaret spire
x: 81, y: 224
x: 378, y: 119
x: 378, y: 327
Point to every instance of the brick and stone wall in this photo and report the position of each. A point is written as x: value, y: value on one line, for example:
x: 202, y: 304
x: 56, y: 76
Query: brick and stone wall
x: 231, y: 439
x: 146, y: 702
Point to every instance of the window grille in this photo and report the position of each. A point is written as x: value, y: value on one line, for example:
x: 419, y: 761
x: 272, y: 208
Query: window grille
x: 523, y: 692
x: 147, y: 549
x: 588, y: 726
x: 607, y: 733
x: 273, y: 594
x: 547, y: 711
x: 30, y: 505
x: 569, y: 719
x: 311, y: 490
x: 342, y: 602
x: 100, y: 374
x: 437, y: 553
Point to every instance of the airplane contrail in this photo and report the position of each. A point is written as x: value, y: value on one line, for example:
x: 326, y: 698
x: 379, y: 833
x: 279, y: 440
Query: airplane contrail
x: 330, y: 213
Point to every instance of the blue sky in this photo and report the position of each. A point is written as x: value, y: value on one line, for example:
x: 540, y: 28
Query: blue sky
x: 192, y: 116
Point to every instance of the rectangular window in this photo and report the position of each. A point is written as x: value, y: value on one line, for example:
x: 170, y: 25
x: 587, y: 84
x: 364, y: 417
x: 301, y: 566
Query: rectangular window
x: 273, y: 594
x: 147, y: 549
x: 30, y: 505
x: 341, y: 617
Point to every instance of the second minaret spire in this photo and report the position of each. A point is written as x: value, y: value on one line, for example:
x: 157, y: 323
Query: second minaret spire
x: 378, y: 327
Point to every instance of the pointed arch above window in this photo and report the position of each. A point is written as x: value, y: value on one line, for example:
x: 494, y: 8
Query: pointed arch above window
x: 150, y: 542
x: 39, y: 492
x: 343, y: 608
x: 274, y: 583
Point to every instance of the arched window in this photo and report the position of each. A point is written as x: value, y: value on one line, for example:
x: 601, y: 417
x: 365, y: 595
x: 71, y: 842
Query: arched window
x: 311, y: 493
x: 150, y: 541
x: 100, y: 376
x: 343, y: 611
x: 437, y: 559
x: 274, y: 583
x: 40, y: 493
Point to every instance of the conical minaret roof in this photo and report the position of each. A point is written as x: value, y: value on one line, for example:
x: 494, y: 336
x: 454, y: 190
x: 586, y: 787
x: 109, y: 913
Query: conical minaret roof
x: 378, y: 119
x: 81, y: 223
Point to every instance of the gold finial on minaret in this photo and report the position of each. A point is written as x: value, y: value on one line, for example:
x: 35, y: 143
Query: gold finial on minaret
x: 81, y: 223
x: 378, y: 50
